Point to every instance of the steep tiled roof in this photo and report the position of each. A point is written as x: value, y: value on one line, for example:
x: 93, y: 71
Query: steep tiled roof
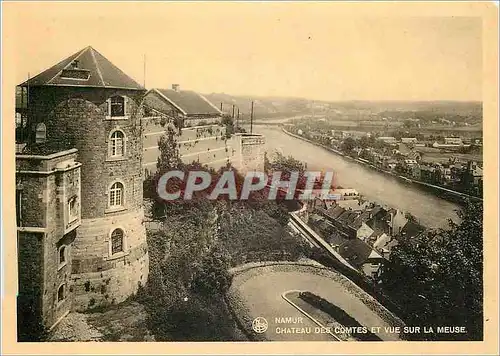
x: 355, y: 251
x: 336, y: 211
x: 362, y: 218
x: 189, y: 102
x: 412, y: 229
x: 85, y: 68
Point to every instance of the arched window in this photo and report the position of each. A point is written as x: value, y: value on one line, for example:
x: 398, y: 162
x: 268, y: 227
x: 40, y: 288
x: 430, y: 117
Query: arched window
x: 62, y: 255
x: 116, y: 195
x: 40, y: 133
x: 117, y: 144
x: 60, y: 293
x: 117, y: 241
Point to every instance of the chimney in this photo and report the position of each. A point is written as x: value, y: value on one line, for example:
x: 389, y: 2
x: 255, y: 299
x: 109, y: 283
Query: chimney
x: 176, y: 87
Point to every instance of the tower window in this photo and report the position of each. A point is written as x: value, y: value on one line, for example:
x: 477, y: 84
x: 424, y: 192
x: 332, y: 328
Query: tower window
x: 62, y: 255
x: 117, y: 241
x: 72, y: 209
x: 61, y: 293
x: 40, y: 133
x: 18, y: 207
x: 116, y: 195
x: 117, y: 144
x: 116, y: 106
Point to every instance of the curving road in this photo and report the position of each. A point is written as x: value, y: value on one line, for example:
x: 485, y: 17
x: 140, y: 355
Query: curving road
x: 261, y: 290
x: 429, y: 209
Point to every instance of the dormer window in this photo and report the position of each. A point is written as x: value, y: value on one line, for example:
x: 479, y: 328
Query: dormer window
x: 75, y: 73
x: 117, y: 107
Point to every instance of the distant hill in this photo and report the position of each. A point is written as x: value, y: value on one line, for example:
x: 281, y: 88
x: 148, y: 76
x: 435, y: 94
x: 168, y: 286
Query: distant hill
x: 263, y: 106
x: 268, y: 107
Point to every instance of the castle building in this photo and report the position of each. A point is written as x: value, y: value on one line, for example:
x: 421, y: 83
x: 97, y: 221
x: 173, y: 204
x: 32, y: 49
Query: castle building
x: 202, y: 136
x: 81, y: 235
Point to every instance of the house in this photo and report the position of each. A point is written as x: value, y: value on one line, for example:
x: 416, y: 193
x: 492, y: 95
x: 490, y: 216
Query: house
x: 348, y: 223
x: 410, y: 162
x: 347, y: 193
x: 359, y: 254
x: 453, y: 141
x: 411, y: 230
x: 409, y: 140
x: 384, y: 244
x: 431, y: 174
x: 477, y: 141
x: 414, y: 155
x: 389, y: 140
x: 396, y: 220
x: 475, y: 171
x: 353, y: 204
x: 188, y: 105
x: 446, y: 170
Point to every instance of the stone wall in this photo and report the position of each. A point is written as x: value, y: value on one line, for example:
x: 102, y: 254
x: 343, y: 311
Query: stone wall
x: 77, y: 118
x: 100, y: 278
x: 205, y: 144
x: 30, y: 282
x: 252, y: 152
x: 45, y: 193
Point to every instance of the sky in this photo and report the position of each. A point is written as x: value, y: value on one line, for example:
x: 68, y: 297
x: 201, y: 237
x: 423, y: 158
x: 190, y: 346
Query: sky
x: 263, y: 49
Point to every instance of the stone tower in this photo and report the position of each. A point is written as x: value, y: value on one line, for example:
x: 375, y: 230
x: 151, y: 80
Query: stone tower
x: 86, y: 102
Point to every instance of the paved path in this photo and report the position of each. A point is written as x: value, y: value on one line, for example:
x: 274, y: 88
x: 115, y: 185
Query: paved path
x: 261, y: 290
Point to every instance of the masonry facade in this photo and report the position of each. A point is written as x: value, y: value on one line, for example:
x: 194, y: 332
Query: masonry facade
x: 201, y: 134
x: 86, y: 105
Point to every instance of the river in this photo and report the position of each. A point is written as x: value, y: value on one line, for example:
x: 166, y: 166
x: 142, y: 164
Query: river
x: 429, y: 209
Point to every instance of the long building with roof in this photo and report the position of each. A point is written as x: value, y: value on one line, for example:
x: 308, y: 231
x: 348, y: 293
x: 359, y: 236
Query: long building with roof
x: 202, y: 136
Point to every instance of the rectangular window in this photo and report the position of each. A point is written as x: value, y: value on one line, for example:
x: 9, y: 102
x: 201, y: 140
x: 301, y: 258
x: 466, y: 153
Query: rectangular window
x: 115, y: 196
x: 117, y: 246
x: 117, y: 106
x: 72, y: 209
x: 18, y: 207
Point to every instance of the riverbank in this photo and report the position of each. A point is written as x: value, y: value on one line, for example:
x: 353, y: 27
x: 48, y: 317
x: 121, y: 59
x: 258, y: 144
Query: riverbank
x: 441, y: 192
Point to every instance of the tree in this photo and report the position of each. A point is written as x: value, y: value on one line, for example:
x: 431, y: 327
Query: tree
x: 169, y: 151
x: 348, y: 145
x: 211, y: 277
x: 439, y: 277
x: 286, y: 164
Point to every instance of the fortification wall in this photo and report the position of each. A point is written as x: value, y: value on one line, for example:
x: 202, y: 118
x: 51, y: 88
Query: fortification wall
x: 78, y: 118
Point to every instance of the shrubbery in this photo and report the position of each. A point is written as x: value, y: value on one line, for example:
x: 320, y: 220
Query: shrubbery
x: 338, y: 314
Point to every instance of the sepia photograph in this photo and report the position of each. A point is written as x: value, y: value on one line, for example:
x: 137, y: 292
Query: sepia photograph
x: 239, y: 173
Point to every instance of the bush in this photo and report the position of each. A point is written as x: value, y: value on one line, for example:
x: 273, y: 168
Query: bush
x: 338, y: 314
x: 212, y: 277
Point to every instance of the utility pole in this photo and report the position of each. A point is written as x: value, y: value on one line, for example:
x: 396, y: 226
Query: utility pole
x: 238, y: 117
x: 144, y: 74
x: 251, y: 119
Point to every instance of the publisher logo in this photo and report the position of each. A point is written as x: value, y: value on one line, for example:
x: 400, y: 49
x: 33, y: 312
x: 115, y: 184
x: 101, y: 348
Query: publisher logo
x: 259, y: 325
